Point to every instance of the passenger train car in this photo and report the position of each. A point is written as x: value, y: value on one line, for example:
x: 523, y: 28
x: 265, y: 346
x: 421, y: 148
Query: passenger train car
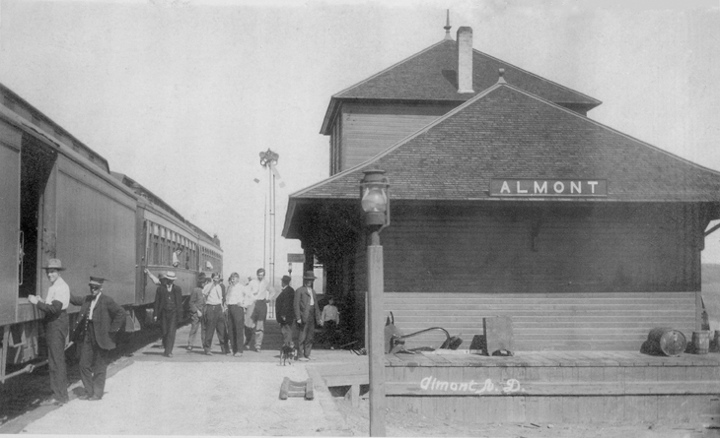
x: 60, y: 200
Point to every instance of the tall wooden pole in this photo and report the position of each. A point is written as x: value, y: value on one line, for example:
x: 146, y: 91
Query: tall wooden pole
x: 376, y: 329
x: 268, y: 159
x: 271, y: 227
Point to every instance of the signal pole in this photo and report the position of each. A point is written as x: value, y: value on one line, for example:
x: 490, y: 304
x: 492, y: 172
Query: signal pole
x: 268, y: 160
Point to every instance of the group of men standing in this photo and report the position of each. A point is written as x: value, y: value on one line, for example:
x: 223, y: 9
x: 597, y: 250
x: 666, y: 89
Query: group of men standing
x: 236, y: 313
x: 296, y: 312
x: 94, y: 332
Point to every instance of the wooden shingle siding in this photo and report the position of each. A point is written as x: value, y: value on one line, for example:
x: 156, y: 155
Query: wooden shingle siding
x: 584, y: 249
x: 368, y: 130
x: 552, y: 321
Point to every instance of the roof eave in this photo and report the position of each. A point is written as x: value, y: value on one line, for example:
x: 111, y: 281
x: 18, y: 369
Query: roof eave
x: 288, y: 231
x: 326, y: 128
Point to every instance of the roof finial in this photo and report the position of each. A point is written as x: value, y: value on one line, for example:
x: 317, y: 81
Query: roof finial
x: 501, y: 78
x: 447, y: 26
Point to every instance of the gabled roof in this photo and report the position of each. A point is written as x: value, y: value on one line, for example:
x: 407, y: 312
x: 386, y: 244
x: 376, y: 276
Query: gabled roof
x: 506, y: 132
x: 431, y: 75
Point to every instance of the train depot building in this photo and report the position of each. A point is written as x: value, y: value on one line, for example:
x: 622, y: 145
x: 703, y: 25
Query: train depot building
x: 508, y: 201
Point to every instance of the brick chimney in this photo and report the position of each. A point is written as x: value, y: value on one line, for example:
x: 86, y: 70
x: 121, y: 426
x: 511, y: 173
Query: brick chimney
x: 465, y: 60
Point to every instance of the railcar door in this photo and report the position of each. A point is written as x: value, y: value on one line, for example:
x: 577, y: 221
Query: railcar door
x: 10, y: 236
x: 37, y: 161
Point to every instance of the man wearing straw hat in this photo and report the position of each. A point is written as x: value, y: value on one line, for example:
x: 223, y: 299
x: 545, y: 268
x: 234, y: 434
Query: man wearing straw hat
x: 168, y: 310
x: 55, y: 307
x: 307, y: 312
x: 95, y: 332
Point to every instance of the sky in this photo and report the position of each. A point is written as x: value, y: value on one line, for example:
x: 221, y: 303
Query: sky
x: 183, y: 95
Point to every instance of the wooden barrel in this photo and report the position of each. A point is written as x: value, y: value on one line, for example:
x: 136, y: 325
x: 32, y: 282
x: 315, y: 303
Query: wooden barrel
x: 701, y: 341
x: 667, y: 341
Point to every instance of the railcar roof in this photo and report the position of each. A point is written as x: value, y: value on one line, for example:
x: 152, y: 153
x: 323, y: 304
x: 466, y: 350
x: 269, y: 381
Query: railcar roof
x: 34, y: 119
x: 143, y: 191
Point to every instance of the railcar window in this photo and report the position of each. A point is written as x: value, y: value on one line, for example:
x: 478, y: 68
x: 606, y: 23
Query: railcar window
x: 156, y: 250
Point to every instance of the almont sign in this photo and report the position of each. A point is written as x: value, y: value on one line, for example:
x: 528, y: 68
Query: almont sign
x: 548, y: 187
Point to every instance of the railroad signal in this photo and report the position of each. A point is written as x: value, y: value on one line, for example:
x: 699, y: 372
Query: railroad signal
x: 268, y: 160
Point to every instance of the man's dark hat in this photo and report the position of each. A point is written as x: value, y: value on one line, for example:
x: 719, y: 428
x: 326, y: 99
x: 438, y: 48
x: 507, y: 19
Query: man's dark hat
x: 96, y: 281
x: 309, y: 275
x: 286, y: 279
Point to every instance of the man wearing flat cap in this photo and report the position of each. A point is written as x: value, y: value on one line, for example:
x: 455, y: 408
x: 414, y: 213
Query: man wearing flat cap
x: 307, y: 311
x: 168, y: 310
x: 95, y: 333
x: 55, y: 305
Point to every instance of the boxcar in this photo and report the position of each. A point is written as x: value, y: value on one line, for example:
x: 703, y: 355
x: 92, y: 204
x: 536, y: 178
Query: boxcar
x: 60, y: 200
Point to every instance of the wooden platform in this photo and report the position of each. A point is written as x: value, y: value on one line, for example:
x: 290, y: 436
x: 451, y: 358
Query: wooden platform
x: 552, y: 386
x: 572, y: 386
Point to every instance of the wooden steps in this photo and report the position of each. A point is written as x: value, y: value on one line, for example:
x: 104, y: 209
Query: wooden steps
x: 352, y: 374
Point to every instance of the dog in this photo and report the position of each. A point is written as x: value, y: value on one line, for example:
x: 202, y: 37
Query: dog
x: 287, y: 355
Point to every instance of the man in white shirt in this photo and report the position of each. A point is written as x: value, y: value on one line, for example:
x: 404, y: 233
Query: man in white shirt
x: 214, y: 314
x: 234, y: 299
x: 329, y: 320
x: 55, y: 305
x: 257, y: 297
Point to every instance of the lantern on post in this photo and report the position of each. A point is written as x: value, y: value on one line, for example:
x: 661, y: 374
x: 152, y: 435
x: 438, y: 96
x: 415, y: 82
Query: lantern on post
x: 375, y: 202
x: 375, y: 199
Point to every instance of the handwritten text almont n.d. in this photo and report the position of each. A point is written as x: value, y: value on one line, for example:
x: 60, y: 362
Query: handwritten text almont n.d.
x: 431, y: 383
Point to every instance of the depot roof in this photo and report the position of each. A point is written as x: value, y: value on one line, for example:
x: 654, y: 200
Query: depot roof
x: 430, y: 75
x: 506, y: 132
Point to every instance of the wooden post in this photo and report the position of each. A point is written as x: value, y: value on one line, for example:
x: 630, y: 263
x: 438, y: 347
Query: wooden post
x: 3, y: 355
x: 698, y: 311
x: 376, y: 346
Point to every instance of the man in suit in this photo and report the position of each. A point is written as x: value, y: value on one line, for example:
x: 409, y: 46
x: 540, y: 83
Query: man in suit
x: 285, y: 312
x: 307, y: 312
x: 55, y: 305
x: 168, y: 310
x: 95, y: 332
